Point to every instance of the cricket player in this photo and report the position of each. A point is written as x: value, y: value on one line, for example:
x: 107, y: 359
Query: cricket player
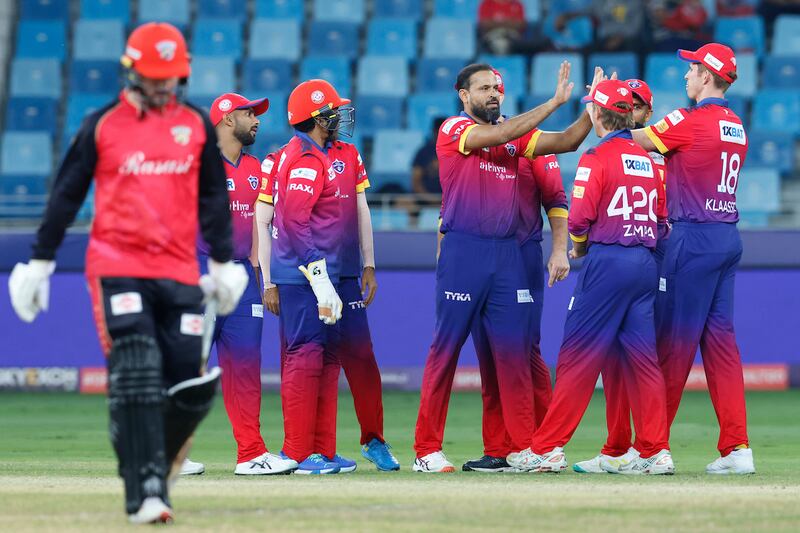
x: 613, y: 215
x: 618, y: 446
x: 148, y: 152
x: 706, y: 146
x: 480, y: 273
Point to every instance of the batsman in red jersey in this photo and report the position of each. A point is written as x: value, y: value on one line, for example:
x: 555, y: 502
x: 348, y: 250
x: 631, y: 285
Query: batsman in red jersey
x: 147, y: 152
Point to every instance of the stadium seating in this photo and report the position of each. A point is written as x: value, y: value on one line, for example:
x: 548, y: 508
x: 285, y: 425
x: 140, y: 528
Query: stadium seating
x: 275, y: 39
x: 78, y: 106
x: 376, y: 112
x: 106, y: 9
x: 222, y: 9
x: 777, y: 110
x: 392, y: 37
x: 275, y: 120
x: 390, y: 219
x: 32, y: 114
x: 560, y: 119
x: 340, y: 10
x: 44, y: 9
x: 664, y: 72
x: 625, y: 64
x: 98, y: 39
x: 36, y: 77
x: 333, y: 39
x: 267, y: 141
x: 212, y: 76
x: 437, y: 74
x: 393, y: 150
x: 423, y: 108
x: 42, y: 38
x: 399, y: 8
x: 747, y: 72
x: 27, y: 153
x: 94, y: 76
x: 511, y: 68
x: 22, y: 196
x: 217, y: 37
x: 336, y: 70
x: 465, y: 9
x: 786, y: 38
x: 743, y: 34
x: 267, y: 75
x: 544, y: 72
x: 665, y: 103
x: 738, y: 104
x: 174, y: 11
x: 452, y: 38
x: 280, y: 9
x: 428, y: 219
x: 533, y: 10
x: 781, y: 72
x: 379, y: 75
x: 578, y: 33
x: 770, y: 149
x: 759, y: 190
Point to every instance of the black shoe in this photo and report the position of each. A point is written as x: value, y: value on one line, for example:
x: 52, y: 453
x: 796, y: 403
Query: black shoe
x: 487, y: 463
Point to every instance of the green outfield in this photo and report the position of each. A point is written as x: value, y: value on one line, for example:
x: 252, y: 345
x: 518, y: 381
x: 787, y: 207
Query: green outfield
x: 57, y: 474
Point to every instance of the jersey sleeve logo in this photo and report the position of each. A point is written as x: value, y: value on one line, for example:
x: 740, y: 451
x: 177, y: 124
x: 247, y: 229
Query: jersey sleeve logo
x: 338, y: 166
x: 253, y: 181
x: 675, y: 117
x: 637, y: 165
x: 267, y: 165
x: 302, y: 187
x: 732, y: 132
x: 662, y: 126
x: 303, y: 174
x: 577, y: 191
x: 582, y: 174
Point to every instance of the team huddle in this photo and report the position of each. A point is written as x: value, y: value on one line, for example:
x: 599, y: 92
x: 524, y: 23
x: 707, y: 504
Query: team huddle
x: 293, y: 234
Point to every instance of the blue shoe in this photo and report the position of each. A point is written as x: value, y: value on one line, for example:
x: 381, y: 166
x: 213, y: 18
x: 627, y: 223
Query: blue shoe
x: 317, y: 464
x: 378, y: 453
x: 345, y: 465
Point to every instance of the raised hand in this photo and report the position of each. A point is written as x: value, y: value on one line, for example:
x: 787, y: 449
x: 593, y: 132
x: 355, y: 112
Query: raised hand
x: 599, y: 76
x: 564, y: 86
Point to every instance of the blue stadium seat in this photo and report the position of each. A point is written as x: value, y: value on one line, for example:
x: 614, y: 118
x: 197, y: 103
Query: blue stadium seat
x: 759, y: 190
x: 389, y: 219
x: 222, y: 9
x: 336, y: 70
x: 22, y: 196
x: 743, y: 34
x: 78, y: 106
x: 438, y: 74
x: 569, y: 164
x: 393, y: 150
x: 383, y: 75
x: 511, y: 104
x: 781, y: 72
x: 428, y: 218
x: 777, y: 110
x: 31, y: 114
x: 106, y: 9
x: 333, y: 39
x: 27, y: 152
x: 22, y: 185
x: 275, y: 39
x: 340, y: 10
x: 577, y: 33
x: 280, y: 9
x: 445, y: 37
x: 511, y: 68
x: 533, y: 10
x: 98, y: 39
x: 771, y: 149
x: 174, y: 11
x: 44, y: 9
x: 378, y: 112
x: 94, y: 76
x: 392, y: 37
x: 747, y: 71
x: 267, y: 75
x: 664, y: 72
x: 544, y: 71
x: 463, y: 9
x: 786, y: 36
x: 267, y: 142
x: 275, y: 120
x: 560, y: 119
x: 42, y: 38
x: 738, y: 104
x: 625, y: 64
x: 399, y: 8
x: 569, y: 6
x: 423, y: 108
x: 217, y: 37
x: 36, y: 77
x: 212, y: 76
x: 665, y: 103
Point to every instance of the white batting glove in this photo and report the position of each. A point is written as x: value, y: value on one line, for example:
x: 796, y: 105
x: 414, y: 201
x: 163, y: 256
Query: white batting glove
x: 329, y: 304
x: 225, y: 282
x: 29, y: 287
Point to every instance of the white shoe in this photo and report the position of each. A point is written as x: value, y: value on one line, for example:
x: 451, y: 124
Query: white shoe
x: 266, y: 464
x: 152, y: 511
x: 433, y: 462
x: 736, y: 462
x: 191, y: 468
x: 659, y: 464
x: 591, y: 466
x: 615, y: 465
x: 527, y: 461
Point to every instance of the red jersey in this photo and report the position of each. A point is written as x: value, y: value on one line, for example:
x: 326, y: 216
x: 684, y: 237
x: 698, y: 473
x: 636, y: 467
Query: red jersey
x: 540, y: 186
x: 352, y: 177
x: 706, y: 147
x: 615, y: 197
x: 157, y: 173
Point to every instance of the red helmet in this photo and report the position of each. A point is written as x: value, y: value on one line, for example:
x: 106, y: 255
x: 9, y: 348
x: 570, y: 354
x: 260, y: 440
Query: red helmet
x: 311, y: 98
x: 157, y: 50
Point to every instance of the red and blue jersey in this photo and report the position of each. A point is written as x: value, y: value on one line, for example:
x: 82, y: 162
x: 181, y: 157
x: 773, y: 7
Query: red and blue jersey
x: 540, y: 187
x: 480, y: 192
x: 615, y: 196
x: 243, y: 180
x: 352, y: 178
x: 706, y: 147
x: 307, y: 226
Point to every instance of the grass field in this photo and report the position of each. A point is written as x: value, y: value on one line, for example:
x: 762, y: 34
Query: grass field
x: 57, y: 473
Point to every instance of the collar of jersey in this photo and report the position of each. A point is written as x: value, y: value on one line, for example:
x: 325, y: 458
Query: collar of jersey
x: 234, y: 165
x: 307, y: 138
x: 621, y: 134
x: 713, y: 101
x: 465, y: 114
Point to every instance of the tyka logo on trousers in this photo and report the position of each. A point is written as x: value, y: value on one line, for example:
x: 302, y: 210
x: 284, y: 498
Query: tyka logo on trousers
x: 457, y: 296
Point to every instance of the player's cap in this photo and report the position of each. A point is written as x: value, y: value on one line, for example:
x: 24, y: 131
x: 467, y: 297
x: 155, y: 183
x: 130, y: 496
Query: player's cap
x: 157, y: 50
x: 312, y: 98
x: 231, y: 102
x: 718, y: 58
x: 610, y: 92
x: 501, y: 88
x: 642, y: 90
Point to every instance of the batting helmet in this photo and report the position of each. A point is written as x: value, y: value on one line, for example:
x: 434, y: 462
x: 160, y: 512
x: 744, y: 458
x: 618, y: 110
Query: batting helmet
x: 313, y: 98
x: 157, y: 50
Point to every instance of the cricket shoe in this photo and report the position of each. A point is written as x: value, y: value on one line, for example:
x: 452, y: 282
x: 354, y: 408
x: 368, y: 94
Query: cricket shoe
x: 152, y: 511
x: 345, y: 465
x: 266, y: 464
x: 380, y: 454
x: 595, y: 465
x: 488, y: 463
x: 736, y: 462
x: 433, y: 462
x: 527, y: 461
x: 316, y: 464
x: 658, y: 464
x: 191, y: 468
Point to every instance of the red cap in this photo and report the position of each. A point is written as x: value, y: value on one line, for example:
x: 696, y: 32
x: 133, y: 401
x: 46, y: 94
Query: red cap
x: 610, y: 92
x: 642, y: 90
x: 157, y: 50
x: 311, y: 98
x: 718, y: 58
x: 501, y: 88
x: 231, y: 101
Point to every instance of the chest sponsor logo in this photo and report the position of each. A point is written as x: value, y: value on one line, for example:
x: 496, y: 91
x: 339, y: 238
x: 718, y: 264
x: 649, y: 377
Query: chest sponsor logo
x: 637, y: 165
x: 338, y: 166
x: 511, y: 149
x: 126, y: 303
x: 138, y: 165
x: 675, y: 117
x: 192, y: 324
x: 732, y: 132
x: 457, y: 296
x: 303, y: 174
x: 500, y: 171
x: 257, y: 310
x: 181, y: 134
x: 253, y: 181
x: 447, y: 127
x: 267, y: 165
x: 240, y: 207
x: 552, y: 165
x: 230, y: 184
x: 582, y: 174
x: 524, y: 296
x: 302, y: 187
